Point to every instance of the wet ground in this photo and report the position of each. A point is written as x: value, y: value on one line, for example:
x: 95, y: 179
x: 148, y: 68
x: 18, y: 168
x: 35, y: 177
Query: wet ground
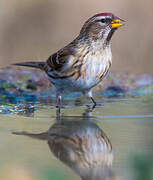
x: 112, y: 142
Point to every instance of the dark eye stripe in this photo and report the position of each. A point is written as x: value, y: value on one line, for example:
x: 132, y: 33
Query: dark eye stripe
x: 106, y: 20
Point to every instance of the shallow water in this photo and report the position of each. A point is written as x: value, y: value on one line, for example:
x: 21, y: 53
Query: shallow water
x: 126, y: 123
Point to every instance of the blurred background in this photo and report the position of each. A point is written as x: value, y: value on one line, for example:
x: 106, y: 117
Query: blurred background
x: 34, y: 29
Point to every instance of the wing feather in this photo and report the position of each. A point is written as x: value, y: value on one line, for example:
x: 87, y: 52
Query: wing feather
x: 59, y: 59
x: 65, y: 63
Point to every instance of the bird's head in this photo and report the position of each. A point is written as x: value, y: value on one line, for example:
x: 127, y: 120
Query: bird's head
x: 101, y: 26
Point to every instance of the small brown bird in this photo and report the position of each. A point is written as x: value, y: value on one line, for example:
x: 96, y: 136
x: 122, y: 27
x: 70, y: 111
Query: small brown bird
x: 84, y: 62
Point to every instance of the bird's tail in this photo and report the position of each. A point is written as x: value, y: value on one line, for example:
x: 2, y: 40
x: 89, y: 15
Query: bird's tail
x: 38, y: 65
x: 41, y: 136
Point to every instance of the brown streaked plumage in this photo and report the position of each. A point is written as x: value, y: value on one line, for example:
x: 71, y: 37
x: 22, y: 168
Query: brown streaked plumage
x: 84, y: 62
x: 103, y: 74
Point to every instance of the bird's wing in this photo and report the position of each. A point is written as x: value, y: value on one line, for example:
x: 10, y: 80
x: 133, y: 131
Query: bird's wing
x: 63, y: 64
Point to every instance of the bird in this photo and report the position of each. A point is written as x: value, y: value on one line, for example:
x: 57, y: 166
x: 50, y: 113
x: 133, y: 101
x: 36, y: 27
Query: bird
x: 83, y: 63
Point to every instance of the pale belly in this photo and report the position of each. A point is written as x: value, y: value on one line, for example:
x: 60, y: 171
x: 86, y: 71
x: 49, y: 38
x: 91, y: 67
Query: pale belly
x: 71, y: 84
x: 84, y: 83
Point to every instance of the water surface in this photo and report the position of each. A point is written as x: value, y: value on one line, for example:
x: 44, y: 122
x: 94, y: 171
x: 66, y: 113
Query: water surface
x: 127, y: 123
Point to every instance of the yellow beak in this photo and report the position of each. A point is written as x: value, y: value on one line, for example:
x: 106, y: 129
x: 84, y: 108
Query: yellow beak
x: 116, y: 23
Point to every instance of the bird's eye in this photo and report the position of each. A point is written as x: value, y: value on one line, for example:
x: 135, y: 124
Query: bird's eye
x: 106, y: 20
x: 103, y: 20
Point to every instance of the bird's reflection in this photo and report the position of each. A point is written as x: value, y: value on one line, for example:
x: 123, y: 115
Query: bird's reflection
x: 80, y: 144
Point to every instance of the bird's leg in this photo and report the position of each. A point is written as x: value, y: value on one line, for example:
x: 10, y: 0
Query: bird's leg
x: 87, y: 114
x: 94, y: 103
x: 89, y: 95
x: 59, y: 104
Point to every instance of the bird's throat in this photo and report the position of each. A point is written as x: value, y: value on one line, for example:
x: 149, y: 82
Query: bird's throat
x: 109, y: 36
